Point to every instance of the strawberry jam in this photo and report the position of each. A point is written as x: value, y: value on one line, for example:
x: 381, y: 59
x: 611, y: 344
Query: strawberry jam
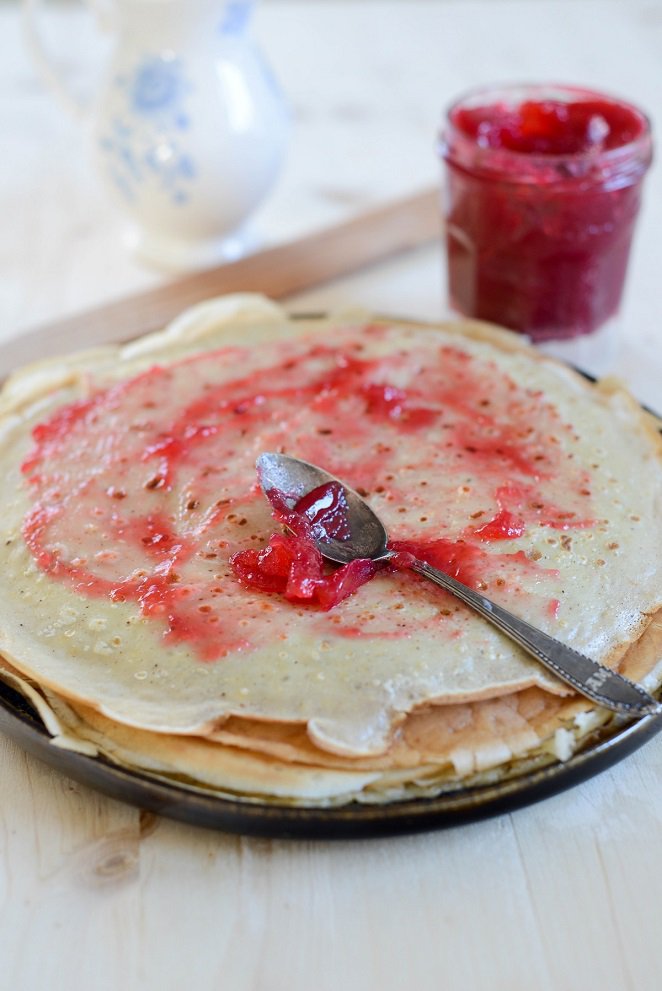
x: 327, y: 510
x: 292, y: 565
x: 144, y: 493
x: 543, y: 187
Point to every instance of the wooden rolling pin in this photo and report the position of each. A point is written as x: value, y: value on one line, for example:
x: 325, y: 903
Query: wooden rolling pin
x: 278, y: 272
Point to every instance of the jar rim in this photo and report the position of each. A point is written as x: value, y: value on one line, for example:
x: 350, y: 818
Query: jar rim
x: 506, y: 160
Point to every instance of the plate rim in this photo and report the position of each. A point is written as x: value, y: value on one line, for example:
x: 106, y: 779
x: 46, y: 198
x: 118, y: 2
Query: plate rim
x: 273, y: 820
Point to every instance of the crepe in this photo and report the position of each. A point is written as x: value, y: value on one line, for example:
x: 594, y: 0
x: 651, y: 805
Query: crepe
x: 129, y: 484
x: 436, y: 750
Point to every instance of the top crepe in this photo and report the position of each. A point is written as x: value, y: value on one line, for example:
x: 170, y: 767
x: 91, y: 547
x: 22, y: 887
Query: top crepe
x: 128, y: 482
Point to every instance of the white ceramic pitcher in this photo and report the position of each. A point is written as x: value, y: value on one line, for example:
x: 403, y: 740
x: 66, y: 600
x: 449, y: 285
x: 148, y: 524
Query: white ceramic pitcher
x: 189, y: 127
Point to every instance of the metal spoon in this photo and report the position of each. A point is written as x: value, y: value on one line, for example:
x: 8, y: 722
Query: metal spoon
x: 294, y: 478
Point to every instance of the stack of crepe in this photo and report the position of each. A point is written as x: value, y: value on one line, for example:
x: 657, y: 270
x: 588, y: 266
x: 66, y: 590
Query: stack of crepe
x: 128, y: 485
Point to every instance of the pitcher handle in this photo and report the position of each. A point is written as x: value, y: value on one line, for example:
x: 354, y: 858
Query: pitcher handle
x: 47, y: 68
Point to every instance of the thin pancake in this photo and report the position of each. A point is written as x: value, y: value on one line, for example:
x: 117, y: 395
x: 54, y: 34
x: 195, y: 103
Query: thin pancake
x: 138, y: 485
x: 435, y: 749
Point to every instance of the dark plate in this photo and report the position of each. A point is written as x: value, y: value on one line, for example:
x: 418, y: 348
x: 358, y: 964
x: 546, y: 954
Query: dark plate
x: 355, y: 821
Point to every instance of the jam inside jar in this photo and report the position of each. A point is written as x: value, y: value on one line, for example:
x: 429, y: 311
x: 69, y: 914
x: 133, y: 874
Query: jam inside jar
x: 543, y: 186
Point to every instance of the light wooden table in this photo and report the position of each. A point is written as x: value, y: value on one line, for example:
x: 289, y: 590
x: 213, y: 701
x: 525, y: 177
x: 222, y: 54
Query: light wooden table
x: 561, y: 896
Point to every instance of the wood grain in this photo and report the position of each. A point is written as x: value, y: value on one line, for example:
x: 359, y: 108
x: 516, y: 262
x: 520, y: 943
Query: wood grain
x: 278, y: 272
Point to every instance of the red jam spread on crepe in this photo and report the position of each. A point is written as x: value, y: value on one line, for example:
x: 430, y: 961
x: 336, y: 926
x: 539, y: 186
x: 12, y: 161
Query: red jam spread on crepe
x: 145, y: 491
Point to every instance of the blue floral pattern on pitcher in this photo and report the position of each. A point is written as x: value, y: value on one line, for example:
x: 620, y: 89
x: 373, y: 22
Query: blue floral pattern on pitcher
x: 145, y: 143
x: 157, y: 85
x: 236, y: 16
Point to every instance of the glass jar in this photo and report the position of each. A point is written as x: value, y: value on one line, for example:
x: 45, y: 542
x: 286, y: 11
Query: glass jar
x: 542, y: 190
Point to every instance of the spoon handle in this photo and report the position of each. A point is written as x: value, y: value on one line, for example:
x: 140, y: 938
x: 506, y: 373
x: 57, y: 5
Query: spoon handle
x: 594, y: 680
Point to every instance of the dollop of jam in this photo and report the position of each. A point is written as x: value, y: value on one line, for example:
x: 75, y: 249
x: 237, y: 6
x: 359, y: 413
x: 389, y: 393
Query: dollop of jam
x: 293, y: 565
x: 325, y: 507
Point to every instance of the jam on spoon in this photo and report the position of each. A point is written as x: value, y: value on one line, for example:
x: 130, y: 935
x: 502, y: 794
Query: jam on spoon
x: 293, y: 564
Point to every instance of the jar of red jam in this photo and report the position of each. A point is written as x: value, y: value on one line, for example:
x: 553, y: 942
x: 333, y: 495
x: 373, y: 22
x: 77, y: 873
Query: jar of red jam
x: 543, y: 186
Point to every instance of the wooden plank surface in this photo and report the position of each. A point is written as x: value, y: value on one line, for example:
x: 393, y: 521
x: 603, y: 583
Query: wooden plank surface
x: 376, y: 235
x: 562, y: 895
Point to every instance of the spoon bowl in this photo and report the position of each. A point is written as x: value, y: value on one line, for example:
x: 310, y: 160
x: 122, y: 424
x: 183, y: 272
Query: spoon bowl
x: 293, y: 479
